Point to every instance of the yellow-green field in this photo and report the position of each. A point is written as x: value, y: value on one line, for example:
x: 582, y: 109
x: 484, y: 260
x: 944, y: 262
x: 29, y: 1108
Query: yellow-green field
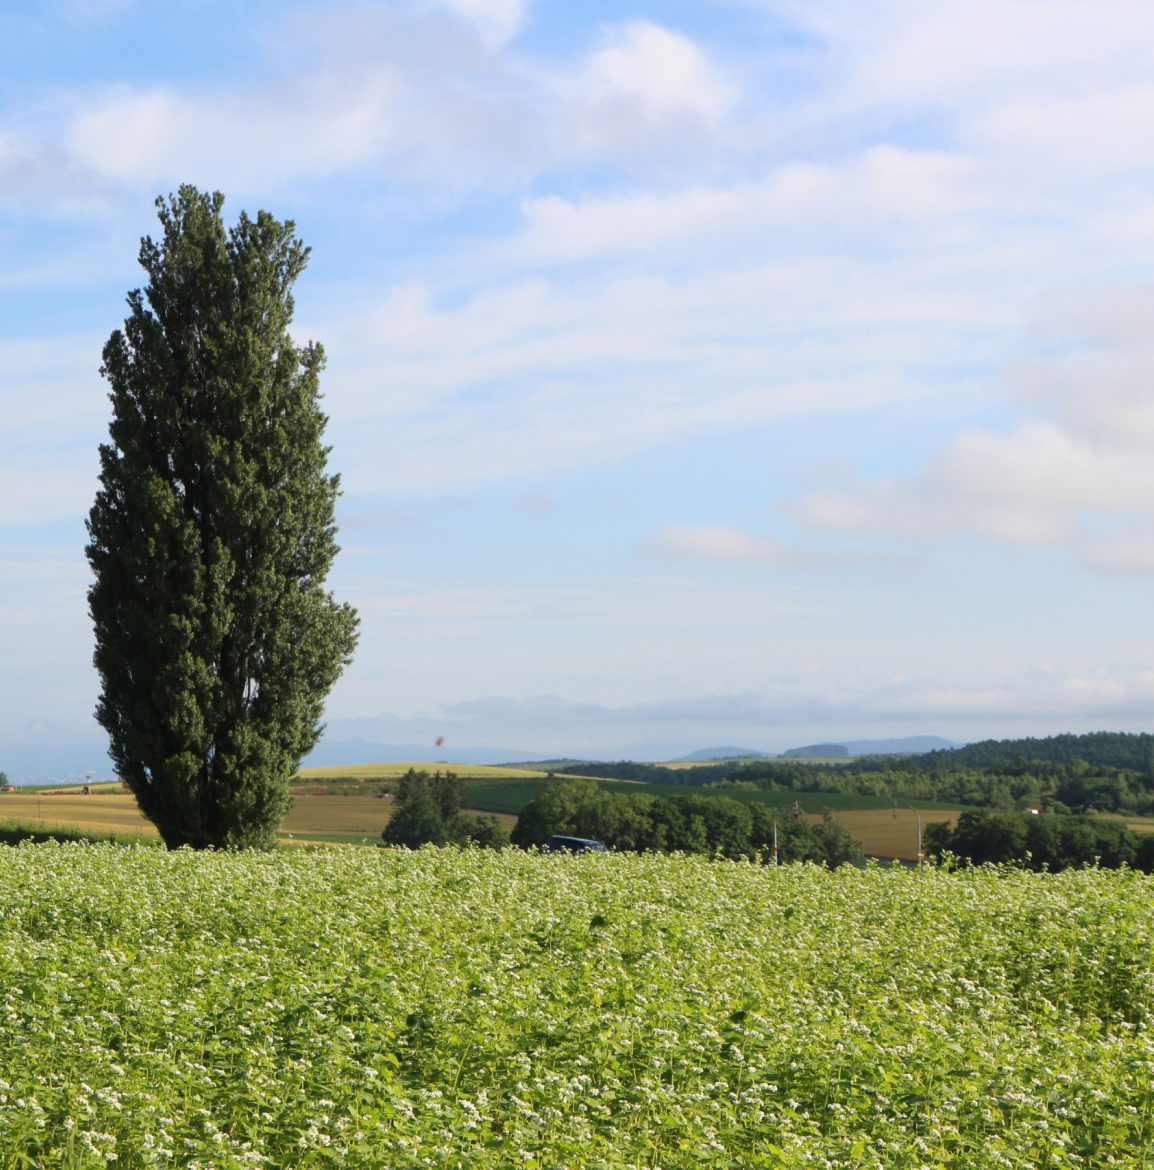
x: 393, y: 771
x: 883, y: 836
x: 102, y: 813
x: 313, y: 818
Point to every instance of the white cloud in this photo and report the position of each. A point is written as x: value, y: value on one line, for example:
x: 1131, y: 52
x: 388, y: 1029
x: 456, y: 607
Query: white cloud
x: 1082, y: 137
x: 496, y: 21
x: 774, y: 718
x: 646, y: 89
x: 439, y: 101
x: 963, y: 55
x: 654, y: 72
x: 718, y: 544
x: 1082, y: 478
x: 1130, y: 551
x: 535, y: 375
x: 902, y: 196
x: 235, y: 139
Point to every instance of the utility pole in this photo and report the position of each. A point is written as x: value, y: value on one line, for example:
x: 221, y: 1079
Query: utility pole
x: 918, y: 814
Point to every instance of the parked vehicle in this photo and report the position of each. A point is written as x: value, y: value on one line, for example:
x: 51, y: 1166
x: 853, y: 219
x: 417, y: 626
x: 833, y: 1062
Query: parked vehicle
x: 574, y: 845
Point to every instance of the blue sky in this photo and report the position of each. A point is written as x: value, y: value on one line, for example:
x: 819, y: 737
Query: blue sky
x: 719, y: 372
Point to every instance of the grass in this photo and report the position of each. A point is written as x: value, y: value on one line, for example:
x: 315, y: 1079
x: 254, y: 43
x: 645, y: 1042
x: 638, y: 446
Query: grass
x: 16, y: 832
x: 98, y: 815
x: 471, y: 1009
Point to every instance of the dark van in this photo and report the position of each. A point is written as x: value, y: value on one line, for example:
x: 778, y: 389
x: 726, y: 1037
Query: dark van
x: 574, y: 845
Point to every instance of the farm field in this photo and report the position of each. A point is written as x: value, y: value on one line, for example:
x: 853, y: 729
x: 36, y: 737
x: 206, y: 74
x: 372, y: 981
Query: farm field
x: 354, y: 819
x: 352, y: 816
x: 883, y: 836
x: 458, y: 1009
x: 320, y: 819
x: 385, y: 772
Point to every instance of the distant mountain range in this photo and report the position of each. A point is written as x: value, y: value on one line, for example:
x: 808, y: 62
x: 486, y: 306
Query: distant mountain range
x: 60, y: 758
x: 706, y: 755
x: 337, y: 753
x: 910, y: 745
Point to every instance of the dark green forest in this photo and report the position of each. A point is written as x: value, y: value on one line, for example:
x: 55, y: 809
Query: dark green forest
x: 1101, y: 771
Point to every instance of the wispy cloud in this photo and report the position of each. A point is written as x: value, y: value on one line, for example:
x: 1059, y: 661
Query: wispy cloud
x: 495, y: 20
x: 1079, y: 475
x: 720, y: 544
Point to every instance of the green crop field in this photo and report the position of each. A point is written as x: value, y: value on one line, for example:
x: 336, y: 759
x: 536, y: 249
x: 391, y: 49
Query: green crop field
x: 454, y: 1009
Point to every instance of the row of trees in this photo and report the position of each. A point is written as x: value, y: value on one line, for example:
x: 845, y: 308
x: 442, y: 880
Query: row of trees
x: 1041, y: 842
x: 1075, y: 787
x: 711, y: 825
x: 1061, y: 786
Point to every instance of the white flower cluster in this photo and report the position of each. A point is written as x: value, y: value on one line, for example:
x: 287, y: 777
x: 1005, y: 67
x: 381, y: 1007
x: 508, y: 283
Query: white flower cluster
x: 502, y: 1009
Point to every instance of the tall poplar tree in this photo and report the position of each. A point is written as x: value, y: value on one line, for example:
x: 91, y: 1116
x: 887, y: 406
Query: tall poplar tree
x: 212, y: 532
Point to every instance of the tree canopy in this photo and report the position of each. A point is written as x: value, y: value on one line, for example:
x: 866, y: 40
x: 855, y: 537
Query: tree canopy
x: 213, y: 532
x: 428, y: 812
x: 685, y: 824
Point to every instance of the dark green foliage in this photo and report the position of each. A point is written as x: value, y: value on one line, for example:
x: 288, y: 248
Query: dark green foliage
x: 563, y: 809
x: 1103, y: 771
x: 841, y: 846
x: 1105, y: 749
x: 443, y: 788
x: 936, y: 838
x: 484, y: 831
x: 416, y: 822
x: 212, y: 533
x: 1042, y: 842
x: 428, y: 813
x: 712, y: 825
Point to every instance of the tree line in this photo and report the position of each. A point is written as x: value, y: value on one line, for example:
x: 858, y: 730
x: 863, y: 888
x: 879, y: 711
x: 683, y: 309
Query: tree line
x: 1041, y: 842
x: 711, y: 825
x: 428, y: 812
x: 1133, y: 751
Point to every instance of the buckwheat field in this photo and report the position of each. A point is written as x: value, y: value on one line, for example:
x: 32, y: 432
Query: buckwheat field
x: 478, y: 1009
